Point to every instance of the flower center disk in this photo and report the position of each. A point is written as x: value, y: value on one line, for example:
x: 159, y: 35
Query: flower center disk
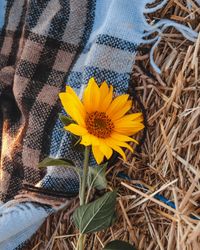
x: 99, y: 124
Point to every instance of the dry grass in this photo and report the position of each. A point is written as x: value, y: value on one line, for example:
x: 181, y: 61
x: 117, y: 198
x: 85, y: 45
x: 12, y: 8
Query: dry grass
x: 170, y: 159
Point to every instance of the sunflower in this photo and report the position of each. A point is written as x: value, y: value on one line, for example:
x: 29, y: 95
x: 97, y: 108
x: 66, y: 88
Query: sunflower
x: 101, y: 120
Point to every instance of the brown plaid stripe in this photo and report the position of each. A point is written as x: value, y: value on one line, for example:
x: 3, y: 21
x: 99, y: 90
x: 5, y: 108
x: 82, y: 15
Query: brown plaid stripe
x: 41, y: 50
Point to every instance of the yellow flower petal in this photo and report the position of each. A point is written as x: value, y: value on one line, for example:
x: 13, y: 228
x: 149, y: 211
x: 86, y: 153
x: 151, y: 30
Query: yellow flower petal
x: 76, y: 129
x: 104, y: 91
x: 72, y: 107
x: 98, y: 155
x: 89, y: 139
x: 95, y: 140
x: 115, y: 147
x: 107, y: 101
x: 72, y: 92
x: 117, y: 104
x: 91, y: 96
x: 121, y: 144
x: 120, y: 137
x: 76, y: 99
x: 138, y: 117
x: 124, y: 145
x: 122, y: 111
x: 86, y: 140
x: 105, y: 149
x: 129, y: 130
x: 128, y: 125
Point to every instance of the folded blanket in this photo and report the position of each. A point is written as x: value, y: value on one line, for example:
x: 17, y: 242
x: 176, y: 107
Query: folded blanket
x: 44, y: 45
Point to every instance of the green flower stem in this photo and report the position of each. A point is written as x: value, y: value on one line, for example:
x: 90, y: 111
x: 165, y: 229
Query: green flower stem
x: 84, y: 177
x: 83, y: 191
x: 81, y: 241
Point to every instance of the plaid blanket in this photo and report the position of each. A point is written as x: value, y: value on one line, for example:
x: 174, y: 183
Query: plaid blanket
x: 44, y: 45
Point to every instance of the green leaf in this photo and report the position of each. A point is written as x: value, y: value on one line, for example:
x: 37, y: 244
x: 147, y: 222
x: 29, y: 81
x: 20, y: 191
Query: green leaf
x: 118, y: 245
x: 97, y: 215
x: 65, y: 120
x: 55, y: 162
x: 96, y: 177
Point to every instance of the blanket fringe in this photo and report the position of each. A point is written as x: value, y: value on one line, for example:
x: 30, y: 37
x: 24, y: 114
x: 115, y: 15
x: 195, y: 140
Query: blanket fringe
x: 159, y: 28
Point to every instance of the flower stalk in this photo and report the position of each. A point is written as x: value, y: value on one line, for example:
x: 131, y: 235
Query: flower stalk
x: 83, y: 191
x: 84, y: 176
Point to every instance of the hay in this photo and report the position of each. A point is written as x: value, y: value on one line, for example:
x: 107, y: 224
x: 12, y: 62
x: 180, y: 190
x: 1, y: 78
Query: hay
x: 170, y: 159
